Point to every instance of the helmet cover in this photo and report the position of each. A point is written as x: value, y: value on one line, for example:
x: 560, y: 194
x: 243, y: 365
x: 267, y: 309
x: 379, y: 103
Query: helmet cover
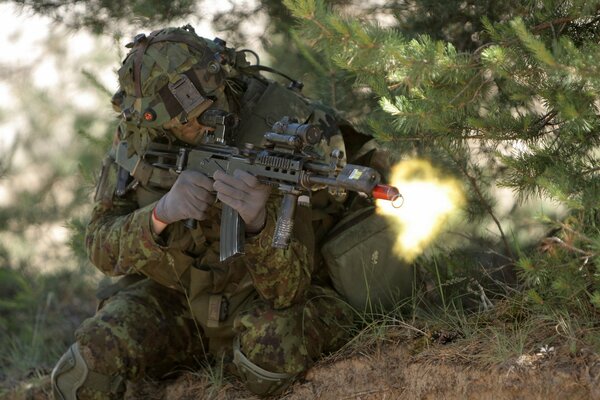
x: 171, y: 73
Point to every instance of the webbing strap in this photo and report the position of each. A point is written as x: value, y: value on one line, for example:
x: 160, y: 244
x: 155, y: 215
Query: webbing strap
x: 173, y: 106
x: 258, y: 68
x: 137, y: 62
x: 194, y: 78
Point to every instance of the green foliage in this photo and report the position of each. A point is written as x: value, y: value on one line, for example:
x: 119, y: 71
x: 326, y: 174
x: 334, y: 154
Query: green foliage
x: 38, y: 315
x: 492, y: 91
x: 46, y: 289
x: 16, y: 296
x: 106, y: 15
x: 504, y: 94
x: 562, y: 273
x: 526, y: 85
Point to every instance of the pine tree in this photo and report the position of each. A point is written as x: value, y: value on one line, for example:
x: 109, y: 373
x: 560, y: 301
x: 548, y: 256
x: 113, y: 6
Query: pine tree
x: 109, y: 15
x: 517, y: 82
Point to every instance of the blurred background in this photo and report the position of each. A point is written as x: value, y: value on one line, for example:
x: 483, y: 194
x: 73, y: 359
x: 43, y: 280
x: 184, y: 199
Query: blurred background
x: 58, y: 65
x: 461, y: 83
x: 57, y: 74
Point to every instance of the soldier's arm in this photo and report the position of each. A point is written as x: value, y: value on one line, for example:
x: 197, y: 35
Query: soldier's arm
x: 280, y: 276
x: 120, y: 241
x: 119, y: 238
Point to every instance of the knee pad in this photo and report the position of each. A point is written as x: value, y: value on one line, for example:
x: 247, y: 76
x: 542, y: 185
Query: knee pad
x: 71, y: 373
x: 257, y: 379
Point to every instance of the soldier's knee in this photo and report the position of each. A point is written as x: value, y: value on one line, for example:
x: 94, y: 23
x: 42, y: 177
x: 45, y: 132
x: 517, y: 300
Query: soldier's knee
x: 277, y: 345
x: 108, y: 350
x: 71, y: 376
x: 258, y: 380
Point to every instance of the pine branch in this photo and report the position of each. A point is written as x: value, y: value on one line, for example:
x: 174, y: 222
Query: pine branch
x: 551, y: 24
x: 475, y: 185
x: 590, y: 171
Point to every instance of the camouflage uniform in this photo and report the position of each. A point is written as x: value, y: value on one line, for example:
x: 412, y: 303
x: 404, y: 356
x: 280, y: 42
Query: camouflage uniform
x: 178, y: 304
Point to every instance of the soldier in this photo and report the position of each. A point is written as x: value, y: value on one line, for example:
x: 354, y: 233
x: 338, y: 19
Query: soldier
x: 270, y: 312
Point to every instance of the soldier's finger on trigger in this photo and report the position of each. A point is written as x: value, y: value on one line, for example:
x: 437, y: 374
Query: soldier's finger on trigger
x: 203, y: 181
x: 232, y: 202
x: 230, y: 180
x: 246, y: 177
x: 224, y: 180
x: 204, y: 197
x: 229, y: 190
x: 219, y: 175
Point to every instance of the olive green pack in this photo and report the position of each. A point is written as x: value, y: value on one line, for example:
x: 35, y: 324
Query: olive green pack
x: 361, y: 263
x: 266, y: 102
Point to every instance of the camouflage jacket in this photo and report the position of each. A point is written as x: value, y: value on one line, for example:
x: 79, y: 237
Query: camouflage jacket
x: 120, y: 241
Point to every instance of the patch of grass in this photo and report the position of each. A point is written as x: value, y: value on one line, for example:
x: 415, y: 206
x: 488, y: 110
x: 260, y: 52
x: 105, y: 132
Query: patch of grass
x: 475, y: 301
x: 506, y: 342
x: 214, y: 373
x: 38, y: 316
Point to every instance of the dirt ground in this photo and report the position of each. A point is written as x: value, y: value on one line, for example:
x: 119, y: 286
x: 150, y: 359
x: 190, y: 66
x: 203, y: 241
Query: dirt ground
x: 394, y: 371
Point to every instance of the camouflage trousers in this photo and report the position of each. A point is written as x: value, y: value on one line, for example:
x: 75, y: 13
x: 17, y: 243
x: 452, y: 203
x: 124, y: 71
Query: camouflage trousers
x: 144, y: 331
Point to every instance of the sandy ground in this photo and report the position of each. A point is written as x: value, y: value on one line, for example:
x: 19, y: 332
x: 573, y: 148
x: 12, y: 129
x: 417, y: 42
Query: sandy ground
x: 395, y: 370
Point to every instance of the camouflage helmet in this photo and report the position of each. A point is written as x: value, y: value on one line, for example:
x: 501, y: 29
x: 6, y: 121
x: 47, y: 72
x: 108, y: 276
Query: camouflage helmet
x: 171, y: 73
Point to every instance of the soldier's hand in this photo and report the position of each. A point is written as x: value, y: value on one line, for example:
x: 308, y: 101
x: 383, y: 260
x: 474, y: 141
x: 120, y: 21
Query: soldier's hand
x: 189, y: 197
x: 245, y: 194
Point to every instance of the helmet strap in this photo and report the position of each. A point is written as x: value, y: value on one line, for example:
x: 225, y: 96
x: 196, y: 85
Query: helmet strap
x: 143, y: 43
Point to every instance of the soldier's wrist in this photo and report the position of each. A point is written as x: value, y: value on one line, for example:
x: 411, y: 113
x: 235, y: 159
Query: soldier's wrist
x: 257, y: 226
x: 157, y: 224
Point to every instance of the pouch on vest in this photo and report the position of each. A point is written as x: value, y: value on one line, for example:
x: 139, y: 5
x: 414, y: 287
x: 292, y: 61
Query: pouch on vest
x: 361, y: 263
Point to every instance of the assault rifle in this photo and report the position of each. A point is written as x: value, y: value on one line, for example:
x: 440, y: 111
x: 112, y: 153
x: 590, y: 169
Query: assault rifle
x: 287, y: 161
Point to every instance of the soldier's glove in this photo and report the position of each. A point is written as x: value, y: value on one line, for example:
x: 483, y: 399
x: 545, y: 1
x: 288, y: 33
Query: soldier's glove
x: 189, y: 197
x: 245, y: 194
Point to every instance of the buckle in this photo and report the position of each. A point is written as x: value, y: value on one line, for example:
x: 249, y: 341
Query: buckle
x: 186, y: 94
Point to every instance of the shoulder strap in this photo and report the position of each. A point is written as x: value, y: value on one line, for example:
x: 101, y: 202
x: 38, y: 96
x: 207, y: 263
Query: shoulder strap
x: 252, y: 69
